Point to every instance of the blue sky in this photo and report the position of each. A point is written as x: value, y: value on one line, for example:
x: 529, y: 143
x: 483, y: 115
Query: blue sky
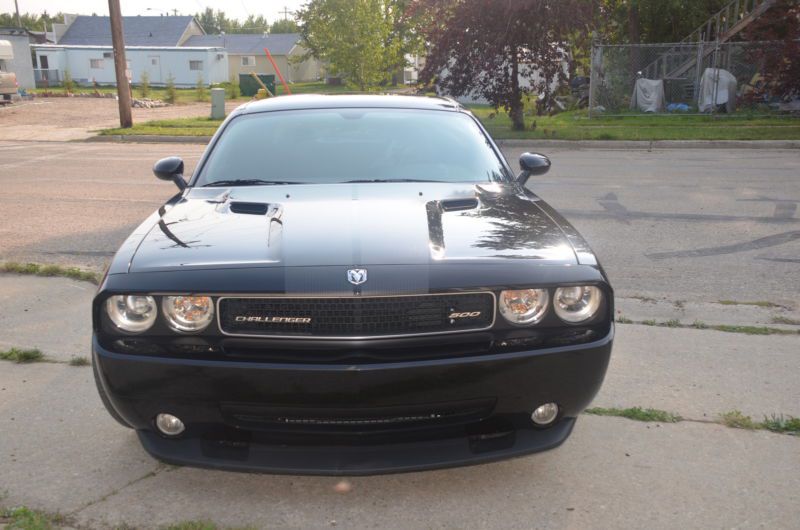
x: 271, y: 9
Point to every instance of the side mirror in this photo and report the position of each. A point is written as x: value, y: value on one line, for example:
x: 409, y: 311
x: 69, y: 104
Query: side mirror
x: 170, y: 169
x: 532, y: 164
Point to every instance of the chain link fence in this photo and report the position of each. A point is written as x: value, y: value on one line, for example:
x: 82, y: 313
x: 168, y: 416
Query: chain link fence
x: 681, y: 70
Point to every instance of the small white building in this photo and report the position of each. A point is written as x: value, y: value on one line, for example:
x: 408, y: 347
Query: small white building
x: 88, y: 64
x: 15, y: 55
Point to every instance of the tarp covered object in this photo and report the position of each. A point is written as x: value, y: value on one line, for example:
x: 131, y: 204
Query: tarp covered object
x: 648, y: 95
x: 717, y: 87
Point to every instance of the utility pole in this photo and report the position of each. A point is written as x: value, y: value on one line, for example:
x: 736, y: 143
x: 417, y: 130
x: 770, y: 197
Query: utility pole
x: 120, y: 65
x: 19, y: 20
x: 285, y: 13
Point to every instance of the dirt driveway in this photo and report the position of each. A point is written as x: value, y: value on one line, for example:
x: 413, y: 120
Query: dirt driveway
x: 64, y: 119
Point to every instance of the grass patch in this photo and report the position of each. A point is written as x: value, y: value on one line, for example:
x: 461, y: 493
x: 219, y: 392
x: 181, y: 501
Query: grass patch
x: 775, y: 423
x: 754, y: 330
x: 22, y: 356
x: 699, y: 324
x: 672, y: 323
x: 201, y: 525
x: 624, y: 320
x: 785, y: 320
x: 22, y: 518
x: 650, y: 322
x: 765, y: 305
x: 575, y: 125
x: 50, y: 270
x: 79, y: 361
x: 637, y: 414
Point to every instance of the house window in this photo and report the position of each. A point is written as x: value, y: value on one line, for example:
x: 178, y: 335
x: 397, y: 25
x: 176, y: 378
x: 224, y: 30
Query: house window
x: 96, y: 64
x: 108, y: 55
x: 248, y: 60
x: 195, y: 65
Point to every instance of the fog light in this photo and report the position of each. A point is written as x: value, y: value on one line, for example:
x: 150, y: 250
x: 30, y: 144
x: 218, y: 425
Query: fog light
x: 545, y: 415
x: 169, y: 424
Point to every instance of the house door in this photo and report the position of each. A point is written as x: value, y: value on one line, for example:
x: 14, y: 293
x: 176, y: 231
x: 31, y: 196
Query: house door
x: 154, y: 68
x: 45, y: 65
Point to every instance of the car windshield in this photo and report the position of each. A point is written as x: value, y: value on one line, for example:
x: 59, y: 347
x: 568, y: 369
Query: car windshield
x: 327, y: 146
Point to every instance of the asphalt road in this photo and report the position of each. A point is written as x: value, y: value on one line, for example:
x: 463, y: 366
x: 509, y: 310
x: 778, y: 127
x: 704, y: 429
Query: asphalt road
x: 691, y: 225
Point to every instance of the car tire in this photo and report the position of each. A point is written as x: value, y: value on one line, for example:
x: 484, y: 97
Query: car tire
x: 104, y: 398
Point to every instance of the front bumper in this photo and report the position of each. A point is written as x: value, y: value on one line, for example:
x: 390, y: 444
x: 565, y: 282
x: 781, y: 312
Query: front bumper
x: 287, y: 418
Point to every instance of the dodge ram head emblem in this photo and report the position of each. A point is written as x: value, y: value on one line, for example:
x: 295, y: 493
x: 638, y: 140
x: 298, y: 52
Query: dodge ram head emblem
x: 357, y: 276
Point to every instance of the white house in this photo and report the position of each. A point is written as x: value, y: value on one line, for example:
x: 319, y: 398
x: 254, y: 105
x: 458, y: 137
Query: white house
x: 88, y: 64
x: 152, y: 44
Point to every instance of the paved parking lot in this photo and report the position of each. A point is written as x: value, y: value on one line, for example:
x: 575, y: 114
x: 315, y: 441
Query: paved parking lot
x: 678, y: 232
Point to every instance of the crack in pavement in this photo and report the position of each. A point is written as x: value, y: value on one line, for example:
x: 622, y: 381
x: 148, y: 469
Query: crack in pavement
x: 160, y: 467
x: 756, y: 244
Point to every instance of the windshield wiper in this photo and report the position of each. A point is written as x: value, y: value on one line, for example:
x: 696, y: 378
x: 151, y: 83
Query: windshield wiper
x: 250, y: 182
x: 365, y: 181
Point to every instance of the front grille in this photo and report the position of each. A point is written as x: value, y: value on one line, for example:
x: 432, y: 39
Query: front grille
x: 356, y: 317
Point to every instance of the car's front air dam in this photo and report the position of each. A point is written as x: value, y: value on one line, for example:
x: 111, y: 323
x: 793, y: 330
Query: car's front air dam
x: 140, y: 387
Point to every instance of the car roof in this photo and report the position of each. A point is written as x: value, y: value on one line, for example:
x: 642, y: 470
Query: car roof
x: 315, y: 101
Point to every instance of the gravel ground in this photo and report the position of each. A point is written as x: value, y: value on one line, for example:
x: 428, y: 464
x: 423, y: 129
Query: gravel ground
x: 65, y: 119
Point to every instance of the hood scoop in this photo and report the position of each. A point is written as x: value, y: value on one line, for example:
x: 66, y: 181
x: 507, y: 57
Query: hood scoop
x: 458, y: 205
x: 249, y: 208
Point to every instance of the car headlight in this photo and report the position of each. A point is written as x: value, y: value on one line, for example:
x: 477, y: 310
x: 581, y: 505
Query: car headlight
x: 132, y: 313
x: 524, y: 307
x: 188, y: 313
x: 577, y: 304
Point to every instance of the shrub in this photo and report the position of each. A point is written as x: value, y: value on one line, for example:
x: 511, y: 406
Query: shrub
x: 144, y: 84
x: 233, y: 87
x: 171, y: 93
x: 69, y: 84
x: 201, y: 93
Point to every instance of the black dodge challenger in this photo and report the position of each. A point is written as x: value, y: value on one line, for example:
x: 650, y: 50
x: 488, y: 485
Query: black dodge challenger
x: 351, y: 285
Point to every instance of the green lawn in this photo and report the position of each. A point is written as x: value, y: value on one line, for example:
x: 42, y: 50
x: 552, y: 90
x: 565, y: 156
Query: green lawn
x: 576, y: 126
x: 573, y: 125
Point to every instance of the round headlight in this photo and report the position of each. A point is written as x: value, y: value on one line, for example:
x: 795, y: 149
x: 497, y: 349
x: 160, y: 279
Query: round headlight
x: 132, y: 313
x: 527, y: 306
x: 188, y: 313
x: 577, y: 304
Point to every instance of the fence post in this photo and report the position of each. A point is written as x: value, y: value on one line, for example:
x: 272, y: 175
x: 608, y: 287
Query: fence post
x: 592, y: 78
x: 698, y: 72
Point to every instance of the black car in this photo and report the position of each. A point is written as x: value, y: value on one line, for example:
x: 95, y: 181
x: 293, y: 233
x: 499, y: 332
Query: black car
x: 351, y: 285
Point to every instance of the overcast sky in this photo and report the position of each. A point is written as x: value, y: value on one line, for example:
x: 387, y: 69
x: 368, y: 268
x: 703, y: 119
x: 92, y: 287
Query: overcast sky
x: 271, y: 9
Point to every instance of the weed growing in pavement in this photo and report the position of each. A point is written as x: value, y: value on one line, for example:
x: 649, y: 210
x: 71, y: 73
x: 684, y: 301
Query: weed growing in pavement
x: 200, y: 525
x: 753, y: 330
x: 737, y: 420
x: 21, y: 356
x: 22, y: 518
x: 785, y: 320
x: 637, y: 413
x: 644, y: 299
x: 50, y: 270
x: 624, y: 320
x: 781, y: 424
x: 649, y: 322
x: 79, y: 361
x: 672, y: 323
x: 699, y: 324
x: 765, y: 305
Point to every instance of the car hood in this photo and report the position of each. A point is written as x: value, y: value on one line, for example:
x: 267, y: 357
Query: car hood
x: 351, y: 225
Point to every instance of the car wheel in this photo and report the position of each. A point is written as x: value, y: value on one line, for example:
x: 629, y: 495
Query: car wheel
x: 104, y: 398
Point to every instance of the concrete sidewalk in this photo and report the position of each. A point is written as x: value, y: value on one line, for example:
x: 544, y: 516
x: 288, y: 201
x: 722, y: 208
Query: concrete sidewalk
x: 61, y: 452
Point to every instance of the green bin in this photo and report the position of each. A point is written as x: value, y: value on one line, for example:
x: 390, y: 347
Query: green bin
x: 249, y: 87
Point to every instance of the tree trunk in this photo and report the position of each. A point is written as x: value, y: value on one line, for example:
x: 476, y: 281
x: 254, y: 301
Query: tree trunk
x: 516, y: 111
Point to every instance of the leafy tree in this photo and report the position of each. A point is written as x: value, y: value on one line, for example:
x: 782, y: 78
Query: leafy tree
x: 31, y: 21
x: 284, y: 26
x: 365, y: 41
x: 780, y: 63
x: 485, y: 47
x: 651, y: 21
